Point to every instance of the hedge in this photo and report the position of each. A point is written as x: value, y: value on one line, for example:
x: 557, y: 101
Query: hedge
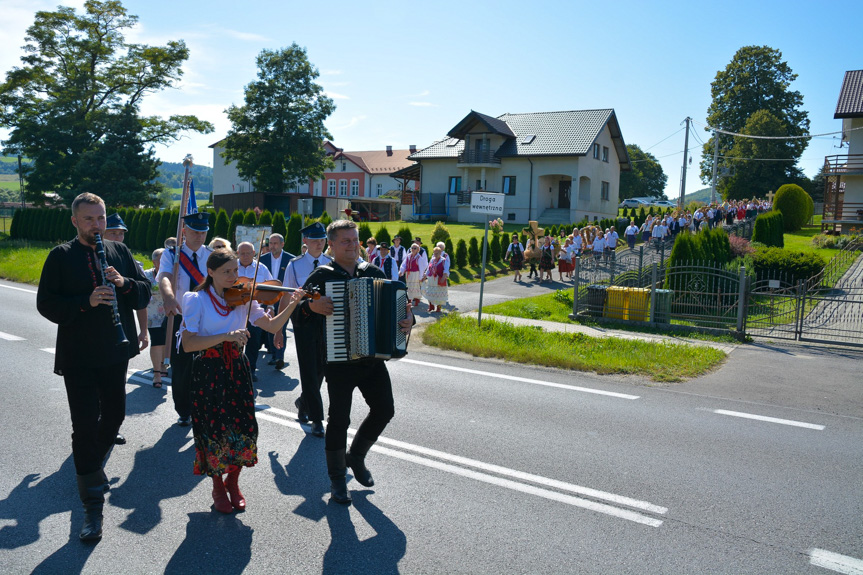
x: 795, y: 205
x: 769, y: 229
x: 778, y: 263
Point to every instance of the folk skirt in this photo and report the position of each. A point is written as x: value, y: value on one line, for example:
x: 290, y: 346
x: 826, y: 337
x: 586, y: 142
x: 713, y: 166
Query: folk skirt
x: 223, y: 411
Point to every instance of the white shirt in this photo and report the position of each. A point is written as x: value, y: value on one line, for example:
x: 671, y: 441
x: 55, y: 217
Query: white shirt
x: 380, y: 261
x: 275, y: 262
x: 166, y: 265
x: 249, y: 271
x: 300, y: 268
x: 631, y: 230
x: 576, y: 242
x: 612, y: 239
x: 659, y: 230
x: 200, y: 316
x: 511, y: 245
x: 599, y: 244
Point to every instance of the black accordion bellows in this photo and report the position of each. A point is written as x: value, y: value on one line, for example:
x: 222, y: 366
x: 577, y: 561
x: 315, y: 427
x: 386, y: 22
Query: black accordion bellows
x: 364, y: 323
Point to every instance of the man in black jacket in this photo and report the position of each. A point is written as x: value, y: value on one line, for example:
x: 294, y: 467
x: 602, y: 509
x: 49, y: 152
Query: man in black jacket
x: 370, y: 375
x: 88, y: 354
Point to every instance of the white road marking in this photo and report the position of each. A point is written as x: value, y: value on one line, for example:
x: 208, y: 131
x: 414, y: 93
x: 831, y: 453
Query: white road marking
x: 521, y: 379
x: 10, y: 337
x: 49, y: 349
x: 770, y: 419
x: 500, y: 481
x: 17, y: 288
x: 835, y: 562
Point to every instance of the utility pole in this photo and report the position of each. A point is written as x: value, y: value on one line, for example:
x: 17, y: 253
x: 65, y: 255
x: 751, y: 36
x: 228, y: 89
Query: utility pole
x: 715, y: 160
x: 21, y: 181
x: 683, y: 176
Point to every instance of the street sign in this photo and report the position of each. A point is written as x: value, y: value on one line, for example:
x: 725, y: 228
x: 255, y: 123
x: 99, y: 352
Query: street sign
x: 485, y: 203
x: 305, y: 206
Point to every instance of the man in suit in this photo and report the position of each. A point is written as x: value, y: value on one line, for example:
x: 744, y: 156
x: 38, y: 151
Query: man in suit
x: 276, y: 261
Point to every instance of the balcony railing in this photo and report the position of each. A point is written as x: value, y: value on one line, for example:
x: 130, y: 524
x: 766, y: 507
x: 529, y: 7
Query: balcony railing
x: 477, y: 157
x: 844, y: 211
x: 843, y: 164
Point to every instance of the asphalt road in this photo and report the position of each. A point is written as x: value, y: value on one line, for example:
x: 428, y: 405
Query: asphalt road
x: 487, y: 467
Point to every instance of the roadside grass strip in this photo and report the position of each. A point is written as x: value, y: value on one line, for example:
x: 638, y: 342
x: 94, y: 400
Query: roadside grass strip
x: 659, y: 361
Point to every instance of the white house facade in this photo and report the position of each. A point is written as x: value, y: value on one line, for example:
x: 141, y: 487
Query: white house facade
x: 554, y: 167
x: 843, y: 173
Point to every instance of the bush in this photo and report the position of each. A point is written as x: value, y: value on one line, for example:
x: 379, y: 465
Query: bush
x: 383, y: 235
x: 236, y: 220
x: 495, y: 247
x: 325, y: 219
x: 769, y: 229
x: 776, y: 263
x: 740, y: 246
x: 250, y: 219
x: 405, y: 234
x: 365, y: 232
x: 473, y: 252
x: 461, y: 254
x: 220, y: 228
x: 794, y: 204
x: 439, y: 234
x: 293, y: 237
x: 266, y: 219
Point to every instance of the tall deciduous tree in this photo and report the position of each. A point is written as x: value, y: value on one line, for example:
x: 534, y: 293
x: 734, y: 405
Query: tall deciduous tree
x: 646, y: 179
x: 756, y: 79
x: 277, y: 135
x: 79, y: 83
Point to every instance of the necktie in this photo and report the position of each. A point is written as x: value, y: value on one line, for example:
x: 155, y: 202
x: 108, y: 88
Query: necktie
x: 315, y: 263
x: 192, y: 283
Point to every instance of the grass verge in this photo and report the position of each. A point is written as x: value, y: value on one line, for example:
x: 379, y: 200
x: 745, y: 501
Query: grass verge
x: 665, y: 362
x: 22, y: 260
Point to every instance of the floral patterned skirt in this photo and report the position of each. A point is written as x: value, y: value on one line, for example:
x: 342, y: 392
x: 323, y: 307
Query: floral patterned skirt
x: 516, y: 261
x: 412, y: 280
x: 546, y: 261
x: 435, y: 294
x: 223, y: 411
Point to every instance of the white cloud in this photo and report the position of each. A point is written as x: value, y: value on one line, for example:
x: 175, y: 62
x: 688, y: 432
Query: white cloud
x: 245, y: 36
x: 422, y: 94
x: 330, y: 72
x: 423, y: 104
x: 351, y: 123
x: 336, y: 96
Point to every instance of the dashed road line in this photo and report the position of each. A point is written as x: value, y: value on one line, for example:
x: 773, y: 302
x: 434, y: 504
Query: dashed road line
x: 10, y: 337
x: 521, y: 379
x: 836, y: 562
x: 790, y: 422
x: 18, y: 289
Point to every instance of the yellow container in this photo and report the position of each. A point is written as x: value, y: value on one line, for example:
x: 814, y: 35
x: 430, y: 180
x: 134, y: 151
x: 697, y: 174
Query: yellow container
x: 639, y: 303
x: 616, y: 303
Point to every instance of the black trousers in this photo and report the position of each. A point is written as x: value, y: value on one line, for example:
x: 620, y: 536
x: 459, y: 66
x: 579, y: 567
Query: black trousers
x: 181, y: 374
x: 97, y: 404
x: 253, y: 346
x: 310, y: 355
x: 373, y: 379
x: 277, y: 353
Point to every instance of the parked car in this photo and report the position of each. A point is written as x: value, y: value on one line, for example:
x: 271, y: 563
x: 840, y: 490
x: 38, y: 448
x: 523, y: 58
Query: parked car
x: 664, y: 204
x: 634, y: 203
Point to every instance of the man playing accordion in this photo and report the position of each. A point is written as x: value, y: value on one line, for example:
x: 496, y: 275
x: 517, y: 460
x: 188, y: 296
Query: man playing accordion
x: 368, y: 374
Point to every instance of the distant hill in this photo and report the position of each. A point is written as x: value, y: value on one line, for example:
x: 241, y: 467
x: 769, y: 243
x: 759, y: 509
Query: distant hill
x: 702, y: 195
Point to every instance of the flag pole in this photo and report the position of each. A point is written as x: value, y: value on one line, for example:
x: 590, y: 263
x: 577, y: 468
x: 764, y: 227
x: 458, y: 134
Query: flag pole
x: 175, y: 272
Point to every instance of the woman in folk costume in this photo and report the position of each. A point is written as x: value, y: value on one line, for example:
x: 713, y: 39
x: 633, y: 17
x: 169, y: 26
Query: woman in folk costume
x: 531, y: 256
x: 413, y: 268
x: 223, y: 405
x: 546, y: 259
x: 515, y: 255
x: 436, y: 291
x: 564, y: 262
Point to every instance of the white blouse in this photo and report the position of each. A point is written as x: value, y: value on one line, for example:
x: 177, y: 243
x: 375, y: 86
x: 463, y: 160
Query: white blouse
x: 200, y: 316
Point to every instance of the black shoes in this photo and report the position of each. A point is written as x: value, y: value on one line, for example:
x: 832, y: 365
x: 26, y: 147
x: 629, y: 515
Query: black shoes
x: 185, y: 421
x: 318, y: 429
x: 337, y: 470
x: 302, y: 416
x: 119, y: 440
x: 90, y: 489
x: 356, y: 459
x: 280, y: 364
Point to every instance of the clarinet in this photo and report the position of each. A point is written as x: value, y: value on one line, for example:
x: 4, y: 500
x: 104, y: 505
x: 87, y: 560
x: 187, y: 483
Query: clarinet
x: 118, y: 325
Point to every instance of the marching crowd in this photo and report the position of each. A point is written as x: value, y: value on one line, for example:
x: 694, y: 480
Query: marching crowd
x: 595, y: 243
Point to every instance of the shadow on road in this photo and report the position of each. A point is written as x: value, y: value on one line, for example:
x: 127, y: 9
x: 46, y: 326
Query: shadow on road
x: 144, y: 398
x: 378, y: 554
x: 305, y: 475
x: 214, y: 543
x: 160, y: 472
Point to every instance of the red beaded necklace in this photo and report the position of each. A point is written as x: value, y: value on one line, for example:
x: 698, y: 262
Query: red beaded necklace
x: 221, y: 309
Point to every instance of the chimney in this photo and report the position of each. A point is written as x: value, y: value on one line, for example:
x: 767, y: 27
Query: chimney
x: 389, y: 150
x: 413, y: 148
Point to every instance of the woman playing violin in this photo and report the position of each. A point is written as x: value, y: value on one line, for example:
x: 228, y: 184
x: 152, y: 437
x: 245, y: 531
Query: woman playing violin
x: 223, y: 406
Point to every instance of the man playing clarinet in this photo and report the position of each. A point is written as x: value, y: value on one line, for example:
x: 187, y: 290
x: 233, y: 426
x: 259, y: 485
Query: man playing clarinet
x: 370, y: 375
x: 75, y: 293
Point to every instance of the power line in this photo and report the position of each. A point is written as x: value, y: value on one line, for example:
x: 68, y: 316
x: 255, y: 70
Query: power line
x: 805, y: 137
x: 662, y: 140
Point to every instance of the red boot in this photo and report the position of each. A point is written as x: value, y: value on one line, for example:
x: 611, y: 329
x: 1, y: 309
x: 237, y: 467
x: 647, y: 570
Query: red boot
x: 220, y: 498
x: 438, y: 309
x: 431, y: 308
x: 237, y: 499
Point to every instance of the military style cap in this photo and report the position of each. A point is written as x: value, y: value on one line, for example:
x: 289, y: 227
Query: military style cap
x: 199, y: 222
x: 315, y: 231
x: 115, y: 222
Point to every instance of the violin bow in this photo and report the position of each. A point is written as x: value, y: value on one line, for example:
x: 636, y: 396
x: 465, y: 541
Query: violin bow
x: 255, y: 280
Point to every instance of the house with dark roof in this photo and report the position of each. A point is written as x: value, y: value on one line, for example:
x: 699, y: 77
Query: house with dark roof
x: 843, y: 173
x: 357, y: 179
x: 554, y: 167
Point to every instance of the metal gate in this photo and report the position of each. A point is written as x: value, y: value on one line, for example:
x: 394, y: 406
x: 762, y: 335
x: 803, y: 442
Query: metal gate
x: 773, y: 309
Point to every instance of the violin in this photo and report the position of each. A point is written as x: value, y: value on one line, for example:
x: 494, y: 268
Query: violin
x: 266, y: 293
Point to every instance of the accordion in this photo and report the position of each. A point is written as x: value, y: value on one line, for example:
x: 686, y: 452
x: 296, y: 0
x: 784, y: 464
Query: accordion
x: 364, y: 323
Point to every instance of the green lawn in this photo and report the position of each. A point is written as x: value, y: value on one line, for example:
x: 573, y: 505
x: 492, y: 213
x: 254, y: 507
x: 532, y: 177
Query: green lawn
x: 801, y: 241
x: 531, y: 345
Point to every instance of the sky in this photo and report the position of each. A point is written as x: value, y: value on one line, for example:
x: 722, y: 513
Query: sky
x: 403, y: 73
